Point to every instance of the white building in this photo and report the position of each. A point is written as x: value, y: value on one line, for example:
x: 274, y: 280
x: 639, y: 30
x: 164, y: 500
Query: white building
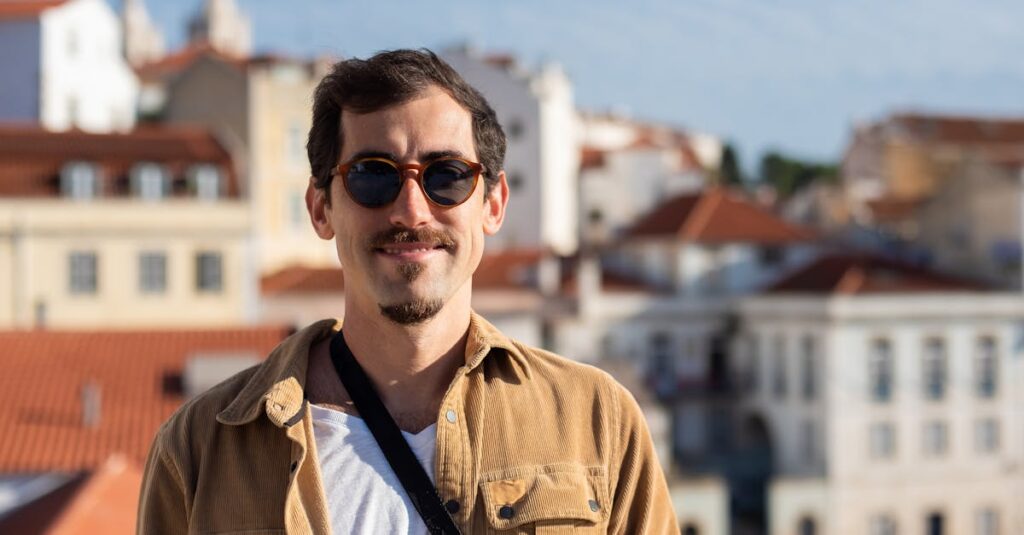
x: 888, y: 399
x: 629, y: 167
x: 143, y: 40
x: 222, y: 26
x: 63, y: 68
x: 536, y: 110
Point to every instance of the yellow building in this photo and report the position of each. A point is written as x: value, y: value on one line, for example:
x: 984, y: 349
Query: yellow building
x: 130, y: 230
x: 262, y: 106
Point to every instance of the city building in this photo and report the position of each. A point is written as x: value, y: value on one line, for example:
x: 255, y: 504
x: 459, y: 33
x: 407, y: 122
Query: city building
x: 63, y: 68
x: 874, y: 396
x: 537, y: 112
x: 139, y: 229
x: 628, y: 167
x: 143, y: 40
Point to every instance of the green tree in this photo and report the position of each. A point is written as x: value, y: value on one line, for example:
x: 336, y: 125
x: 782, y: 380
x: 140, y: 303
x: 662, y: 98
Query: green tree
x: 789, y: 175
x: 729, y: 172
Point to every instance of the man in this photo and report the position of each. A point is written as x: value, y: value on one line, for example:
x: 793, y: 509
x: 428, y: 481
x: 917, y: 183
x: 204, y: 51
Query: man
x: 407, y: 180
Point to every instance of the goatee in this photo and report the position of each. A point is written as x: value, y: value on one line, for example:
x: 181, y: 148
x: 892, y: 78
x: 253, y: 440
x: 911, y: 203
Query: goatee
x: 413, y: 312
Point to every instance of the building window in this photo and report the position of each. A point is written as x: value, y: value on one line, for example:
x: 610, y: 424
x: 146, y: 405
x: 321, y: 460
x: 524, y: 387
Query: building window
x: 82, y: 271
x: 882, y: 440
x: 662, y: 372
x: 883, y: 525
x: 807, y: 526
x: 152, y: 272
x: 935, y: 524
x: 209, y: 272
x: 809, y: 441
x: 771, y: 256
x: 80, y: 181
x: 206, y: 182
x: 934, y: 369
x: 779, y: 383
x: 150, y: 182
x: 986, y: 368
x: 515, y: 182
x: 880, y: 368
x: 809, y: 368
x: 296, y: 145
x: 986, y: 435
x: 936, y: 438
x: 986, y: 522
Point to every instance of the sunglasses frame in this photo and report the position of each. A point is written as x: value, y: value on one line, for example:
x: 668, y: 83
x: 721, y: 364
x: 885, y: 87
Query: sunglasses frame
x: 342, y: 170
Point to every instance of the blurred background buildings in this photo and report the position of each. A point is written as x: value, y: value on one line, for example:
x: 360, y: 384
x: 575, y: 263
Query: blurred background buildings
x: 824, y: 348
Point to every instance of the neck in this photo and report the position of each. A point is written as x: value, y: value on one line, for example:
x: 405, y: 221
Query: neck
x: 410, y: 365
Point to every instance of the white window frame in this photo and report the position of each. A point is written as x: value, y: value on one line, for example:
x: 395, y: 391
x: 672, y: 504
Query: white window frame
x: 209, y: 274
x: 935, y: 438
x: 987, y: 435
x: 880, y: 370
x: 986, y: 367
x: 882, y: 440
x: 80, y: 180
x: 935, y: 369
x: 207, y: 182
x: 150, y: 181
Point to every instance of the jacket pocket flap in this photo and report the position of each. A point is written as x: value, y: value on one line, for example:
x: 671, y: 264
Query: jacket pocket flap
x: 545, y: 493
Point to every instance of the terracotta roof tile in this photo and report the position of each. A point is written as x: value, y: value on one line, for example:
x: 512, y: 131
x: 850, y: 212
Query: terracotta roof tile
x: 303, y: 280
x: 716, y: 216
x: 45, y: 372
x: 591, y: 158
x: 18, y: 9
x: 102, y: 501
x: 855, y: 274
x: 961, y: 130
x: 505, y: 269
x: 892, y: 209
x: 31, y: 158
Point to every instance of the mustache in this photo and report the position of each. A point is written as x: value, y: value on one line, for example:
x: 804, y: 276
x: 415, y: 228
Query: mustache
x: 404, y: 235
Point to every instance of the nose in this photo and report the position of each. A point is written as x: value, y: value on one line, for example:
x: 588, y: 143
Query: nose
x: 411, y: 209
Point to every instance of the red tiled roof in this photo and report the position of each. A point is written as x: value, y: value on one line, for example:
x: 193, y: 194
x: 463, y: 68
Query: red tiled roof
x: 181, y: 59
x: 19, y: 9
x: 717, y: 216
x: 498, y: 270
x: 135, y: 371
x: 506, y: 269
x: 103, y: 501
x: 855, y: 274
x: 303, y: 280
x: 961, y: 130
x: 31, y: 158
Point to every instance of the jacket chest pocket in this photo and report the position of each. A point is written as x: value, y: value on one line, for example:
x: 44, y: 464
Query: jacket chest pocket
x: 546, y: 500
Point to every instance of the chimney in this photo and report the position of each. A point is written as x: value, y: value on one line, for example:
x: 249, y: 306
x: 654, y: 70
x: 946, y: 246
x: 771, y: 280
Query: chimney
x: 91, y: 404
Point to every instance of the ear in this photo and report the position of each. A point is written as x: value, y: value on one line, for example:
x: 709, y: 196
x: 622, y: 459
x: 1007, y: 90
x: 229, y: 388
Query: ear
x: 319, y: 210
x: 494, y: 206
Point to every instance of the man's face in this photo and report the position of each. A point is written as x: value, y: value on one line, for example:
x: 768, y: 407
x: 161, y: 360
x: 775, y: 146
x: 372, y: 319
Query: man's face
x: 410, y: 257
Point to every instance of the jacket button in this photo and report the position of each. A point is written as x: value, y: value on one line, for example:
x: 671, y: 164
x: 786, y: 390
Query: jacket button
x: 450, y: 416
x: 593, y: 505
x: 506, y: 512
x: 295, y: 464
x: 452, y: 506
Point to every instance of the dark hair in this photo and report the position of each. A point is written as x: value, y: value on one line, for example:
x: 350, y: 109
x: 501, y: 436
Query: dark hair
x: 388, y: 79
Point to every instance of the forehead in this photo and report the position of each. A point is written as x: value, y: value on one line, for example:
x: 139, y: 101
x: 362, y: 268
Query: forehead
x: 431, y: 122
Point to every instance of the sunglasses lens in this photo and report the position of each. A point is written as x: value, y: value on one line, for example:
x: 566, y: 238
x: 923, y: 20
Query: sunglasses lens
x: 373, y: 183
x: 449, y: 182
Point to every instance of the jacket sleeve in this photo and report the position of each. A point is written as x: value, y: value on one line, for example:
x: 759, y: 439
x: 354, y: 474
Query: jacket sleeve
x: 162, y: 504
x: 641, y: 501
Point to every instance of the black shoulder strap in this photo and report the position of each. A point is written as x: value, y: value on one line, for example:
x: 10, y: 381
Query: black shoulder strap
x: 389, y: 437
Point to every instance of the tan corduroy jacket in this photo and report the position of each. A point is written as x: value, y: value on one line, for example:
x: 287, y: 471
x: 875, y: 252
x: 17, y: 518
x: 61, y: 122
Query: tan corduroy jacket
x: 527, y: 442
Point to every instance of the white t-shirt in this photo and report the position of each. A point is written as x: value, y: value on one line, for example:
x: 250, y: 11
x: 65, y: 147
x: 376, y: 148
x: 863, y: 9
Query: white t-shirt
x: 364, y: 495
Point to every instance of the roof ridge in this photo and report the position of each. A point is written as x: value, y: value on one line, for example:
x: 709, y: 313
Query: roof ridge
x: 701, y: 214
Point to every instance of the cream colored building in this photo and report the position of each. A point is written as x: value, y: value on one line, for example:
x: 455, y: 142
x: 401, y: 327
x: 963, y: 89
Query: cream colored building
x: 262, y: 106
x: 145, y: 229
x: 887, y: 398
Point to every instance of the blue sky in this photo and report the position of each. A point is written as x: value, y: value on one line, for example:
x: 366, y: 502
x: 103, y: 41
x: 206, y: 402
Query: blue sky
x: 791, y: 75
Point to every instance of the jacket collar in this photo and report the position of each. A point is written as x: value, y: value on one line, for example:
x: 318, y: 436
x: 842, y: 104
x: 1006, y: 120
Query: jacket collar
x: 279, y: 383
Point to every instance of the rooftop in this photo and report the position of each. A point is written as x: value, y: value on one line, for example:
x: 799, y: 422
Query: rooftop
x: 19, y: 9
x: 716, y: 216
x: 136, y: 376
x: 859, y: 274
x: 32, y: 158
